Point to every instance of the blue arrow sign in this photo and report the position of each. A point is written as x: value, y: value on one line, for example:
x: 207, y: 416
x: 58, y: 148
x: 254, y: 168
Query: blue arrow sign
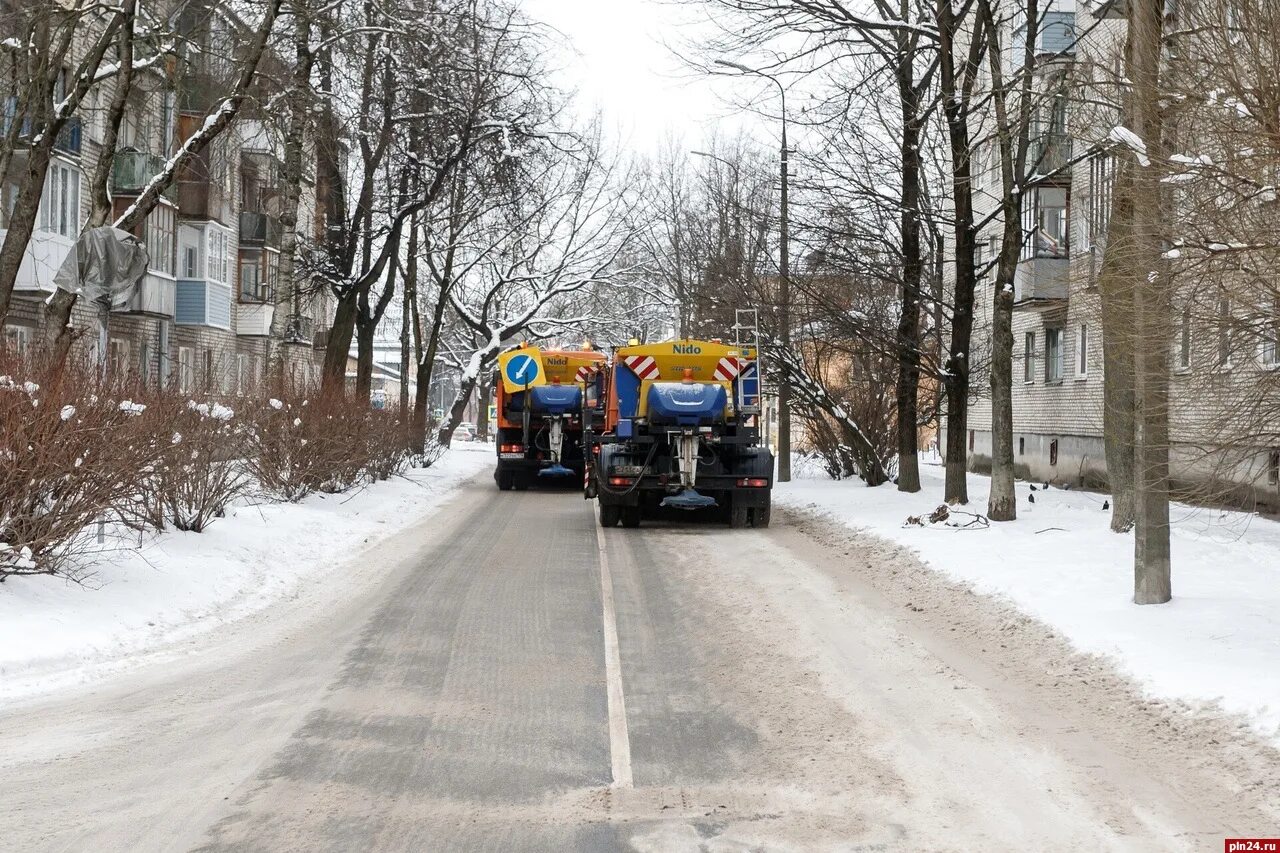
x: 522, y: 370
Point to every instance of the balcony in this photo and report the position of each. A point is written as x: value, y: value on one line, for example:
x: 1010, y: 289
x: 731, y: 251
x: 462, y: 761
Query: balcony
x: 203, y: 303
x: 259, y: 229
x: 156, y: 295
x: 1056, y: 36
x: 321, y: 338
x: 132, y: 171
x: 200, y: 198
x: 68, y: 140
x: 253, y: 319
x: 1040, y: 283
x: 1050, y: 152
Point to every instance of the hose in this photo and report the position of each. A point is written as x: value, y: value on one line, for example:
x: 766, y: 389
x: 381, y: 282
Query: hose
x: 603, y: 483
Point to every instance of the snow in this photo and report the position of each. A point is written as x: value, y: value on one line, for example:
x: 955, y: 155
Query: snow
x: 54, y: 633
x: 1217, y: 644
x: 1132, y: 141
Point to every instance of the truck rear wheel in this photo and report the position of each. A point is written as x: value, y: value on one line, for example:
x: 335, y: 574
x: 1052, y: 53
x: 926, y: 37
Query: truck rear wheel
x: 609, y: 515
x: 505, y: 480
x: 738, y: 515
x: 630, y: 516
x: 760, y: 516
x: 520, y: 482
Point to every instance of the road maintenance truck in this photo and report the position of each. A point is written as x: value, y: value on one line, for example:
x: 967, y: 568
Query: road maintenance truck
x: 681, y: 431
x: 539, y: 414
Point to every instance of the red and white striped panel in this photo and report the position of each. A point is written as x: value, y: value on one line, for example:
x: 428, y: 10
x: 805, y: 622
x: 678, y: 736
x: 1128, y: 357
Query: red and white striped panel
x: 728, y: 368
x: 584, y: 373
x: 642, y: 365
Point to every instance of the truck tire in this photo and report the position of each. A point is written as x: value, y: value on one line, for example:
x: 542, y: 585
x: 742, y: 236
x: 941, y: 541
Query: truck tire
x: 520, y: 482
x: 760, y: 516
x: 505, y: 481
x: 630, y: 516
x: 609, y: 515
x: 738, y: 515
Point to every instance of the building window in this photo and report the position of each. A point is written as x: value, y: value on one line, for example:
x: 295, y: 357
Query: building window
x: 1273, y: 467
x: 161, y: 236
x: 1052, y: 355
x: 219, y: 248
x: 144, y: 362
x: 971, y: 439
x: 1102, y: 178
x: 1044, y: 221
x: 243, y: 378
x: 190, y: 262
x: 1053, y: 452
x: 1224, y: 333
x: 1184, y: 341
x: 118, y: 356
x: 60, y: 201
x: 1270, y: 350
x: 257, y: 369
x: 186, y: 368
x: 207, y: 377
x: 1082, y: 352
x: 1022, y: 445
x: 17, y: 339
x: 1029, y: 358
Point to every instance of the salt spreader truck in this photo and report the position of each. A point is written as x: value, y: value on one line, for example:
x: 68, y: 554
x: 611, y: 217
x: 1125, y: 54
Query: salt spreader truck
x: 680, y: 432
x: 538, y: 408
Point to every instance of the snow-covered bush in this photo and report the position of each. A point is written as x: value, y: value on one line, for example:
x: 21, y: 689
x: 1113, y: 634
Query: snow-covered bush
x: 70, y: 451
x: 297, y: 445
x: 196, y: 468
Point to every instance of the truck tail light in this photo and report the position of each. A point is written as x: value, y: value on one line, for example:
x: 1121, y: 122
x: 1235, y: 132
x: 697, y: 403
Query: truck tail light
x: 621, y: 481
x: 754, y: 483
x: 511, y: 448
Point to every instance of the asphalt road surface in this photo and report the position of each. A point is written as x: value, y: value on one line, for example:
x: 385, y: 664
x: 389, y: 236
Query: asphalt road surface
x: 506, y: 677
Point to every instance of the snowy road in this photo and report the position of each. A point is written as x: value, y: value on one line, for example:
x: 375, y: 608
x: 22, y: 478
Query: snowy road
x: 790, y: 689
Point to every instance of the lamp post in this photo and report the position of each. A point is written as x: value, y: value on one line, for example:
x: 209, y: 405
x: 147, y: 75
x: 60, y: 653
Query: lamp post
x: 784, y: 285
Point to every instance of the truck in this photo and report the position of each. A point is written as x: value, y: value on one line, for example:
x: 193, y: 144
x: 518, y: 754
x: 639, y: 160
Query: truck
x: 538, y: 410
x: 680, y: 431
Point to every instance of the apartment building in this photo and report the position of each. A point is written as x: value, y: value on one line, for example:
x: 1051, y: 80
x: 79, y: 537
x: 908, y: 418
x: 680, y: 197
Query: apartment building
x: 1058, y: 399
x: 200, y: 319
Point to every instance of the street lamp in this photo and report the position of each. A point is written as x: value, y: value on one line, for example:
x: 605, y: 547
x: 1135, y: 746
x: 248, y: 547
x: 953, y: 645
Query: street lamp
x: 784, y: 287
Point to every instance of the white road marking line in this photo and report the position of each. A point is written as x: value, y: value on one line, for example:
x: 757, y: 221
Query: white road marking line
x: 619, y: 738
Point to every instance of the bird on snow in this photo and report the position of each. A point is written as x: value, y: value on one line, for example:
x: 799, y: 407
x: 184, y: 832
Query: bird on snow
x: 1046, y: 485
x: 1033, y: 487
x: 1031, y: 499
x: 1106, y: 504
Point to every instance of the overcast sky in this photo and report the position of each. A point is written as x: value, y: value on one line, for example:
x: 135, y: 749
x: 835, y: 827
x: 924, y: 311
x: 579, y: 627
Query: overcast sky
x: 618, y: 62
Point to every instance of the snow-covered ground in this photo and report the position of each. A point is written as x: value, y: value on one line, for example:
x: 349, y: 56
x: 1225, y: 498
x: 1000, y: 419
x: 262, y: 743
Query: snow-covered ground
x: 55, y: 633
x: 1217, y: 642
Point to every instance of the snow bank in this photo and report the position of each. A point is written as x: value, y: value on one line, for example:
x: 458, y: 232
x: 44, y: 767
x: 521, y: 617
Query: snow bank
x: 55, y: 633
x: 1217, y: 642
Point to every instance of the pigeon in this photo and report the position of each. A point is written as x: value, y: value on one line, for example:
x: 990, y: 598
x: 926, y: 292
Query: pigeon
x: 1106, y: 504
x: 1046, y: 485
x: 1031, y: 499
x: 1033, y: 487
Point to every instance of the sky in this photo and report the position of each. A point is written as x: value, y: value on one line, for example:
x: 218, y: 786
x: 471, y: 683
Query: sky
x: 618, y: 62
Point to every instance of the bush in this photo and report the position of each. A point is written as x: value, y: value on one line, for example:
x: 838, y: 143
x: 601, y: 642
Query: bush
x: 197, y: 467
x: 71, y: 451
x: 79, y: 449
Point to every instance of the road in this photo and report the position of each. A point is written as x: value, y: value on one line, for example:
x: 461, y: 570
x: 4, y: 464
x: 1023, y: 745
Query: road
x: 506, y: 677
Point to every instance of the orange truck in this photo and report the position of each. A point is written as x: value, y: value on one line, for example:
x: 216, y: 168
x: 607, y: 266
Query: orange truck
x: 539, y: 414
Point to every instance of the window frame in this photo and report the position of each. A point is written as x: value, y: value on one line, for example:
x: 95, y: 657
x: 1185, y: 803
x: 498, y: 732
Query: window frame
x: 1082, y: 351
x: 1029, y: 358
x: 186, y: 369
x: 1053, y: 356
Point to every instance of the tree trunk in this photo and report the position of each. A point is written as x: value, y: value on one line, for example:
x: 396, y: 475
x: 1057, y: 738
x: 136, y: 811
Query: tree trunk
x: 285, y: 296
x: 1002, y: 504
x: 1152, y: 583
x: 457, y: 411
x: 908, y: 340
x: 1117, y: 279
x: 482, y: 406
x: 956, y: 106
x: 334, y: 380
